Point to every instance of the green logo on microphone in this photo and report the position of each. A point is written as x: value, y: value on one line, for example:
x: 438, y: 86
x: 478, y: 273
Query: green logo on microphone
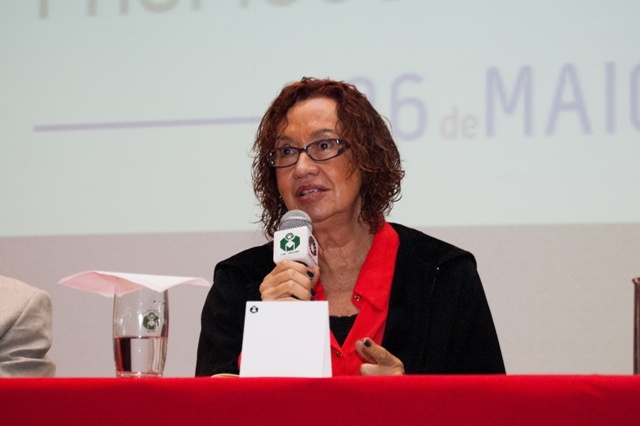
x: 290, y: 242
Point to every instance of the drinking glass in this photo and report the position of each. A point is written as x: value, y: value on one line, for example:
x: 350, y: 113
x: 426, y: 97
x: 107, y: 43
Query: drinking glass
x: 140, y: 332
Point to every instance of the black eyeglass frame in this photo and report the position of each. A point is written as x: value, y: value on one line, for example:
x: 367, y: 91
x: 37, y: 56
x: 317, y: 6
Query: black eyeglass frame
x: 344, y: 145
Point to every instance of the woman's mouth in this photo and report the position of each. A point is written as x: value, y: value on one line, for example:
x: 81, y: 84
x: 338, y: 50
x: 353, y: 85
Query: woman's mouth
x: 308, y: 190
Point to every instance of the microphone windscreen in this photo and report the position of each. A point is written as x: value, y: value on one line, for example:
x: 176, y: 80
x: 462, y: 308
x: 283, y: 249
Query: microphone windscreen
x: 295, y: 219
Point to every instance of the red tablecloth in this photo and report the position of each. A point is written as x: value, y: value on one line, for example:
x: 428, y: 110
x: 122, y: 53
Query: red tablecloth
x: 437, y: 400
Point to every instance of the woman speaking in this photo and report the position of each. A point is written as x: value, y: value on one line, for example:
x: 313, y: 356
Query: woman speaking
x: 399, y: 300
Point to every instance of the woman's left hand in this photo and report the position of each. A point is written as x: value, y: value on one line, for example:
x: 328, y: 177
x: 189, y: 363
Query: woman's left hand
x: 379, y: 361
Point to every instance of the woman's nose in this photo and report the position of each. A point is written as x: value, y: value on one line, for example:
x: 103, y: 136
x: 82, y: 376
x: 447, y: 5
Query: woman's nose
x: 304, y: 164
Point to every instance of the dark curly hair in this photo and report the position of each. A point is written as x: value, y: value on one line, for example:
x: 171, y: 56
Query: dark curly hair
x: 372, y: 150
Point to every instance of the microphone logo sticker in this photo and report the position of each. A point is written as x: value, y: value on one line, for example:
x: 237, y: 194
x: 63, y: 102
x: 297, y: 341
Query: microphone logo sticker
x: 253, y: 309
x: 290, y: 242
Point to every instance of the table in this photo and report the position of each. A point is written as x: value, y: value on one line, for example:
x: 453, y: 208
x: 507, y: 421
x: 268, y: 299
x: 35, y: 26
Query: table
x: 433, y: 400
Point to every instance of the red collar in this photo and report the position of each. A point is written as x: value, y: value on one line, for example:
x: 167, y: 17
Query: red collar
x: 375, y: 277
x: 374, y: 280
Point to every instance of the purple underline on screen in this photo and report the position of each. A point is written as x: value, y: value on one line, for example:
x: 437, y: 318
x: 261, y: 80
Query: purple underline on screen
x: 145, y: 124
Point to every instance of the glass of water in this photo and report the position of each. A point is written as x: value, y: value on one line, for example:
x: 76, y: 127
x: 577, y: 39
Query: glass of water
x: 140, y: 332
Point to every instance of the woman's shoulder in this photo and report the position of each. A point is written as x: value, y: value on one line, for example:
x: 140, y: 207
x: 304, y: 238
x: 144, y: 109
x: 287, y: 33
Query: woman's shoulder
x: 432, y: 249
x: 257, y: 257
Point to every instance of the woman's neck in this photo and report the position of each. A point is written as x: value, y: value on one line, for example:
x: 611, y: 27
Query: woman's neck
x: 342, y: 254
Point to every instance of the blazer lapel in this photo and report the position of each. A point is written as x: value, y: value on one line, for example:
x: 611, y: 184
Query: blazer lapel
x: 407, y: 325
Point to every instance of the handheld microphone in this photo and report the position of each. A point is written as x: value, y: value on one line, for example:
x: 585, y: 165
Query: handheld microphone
x: 293, y: 239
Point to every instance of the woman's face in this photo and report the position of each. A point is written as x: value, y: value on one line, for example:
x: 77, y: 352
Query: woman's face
x: 328, y: 191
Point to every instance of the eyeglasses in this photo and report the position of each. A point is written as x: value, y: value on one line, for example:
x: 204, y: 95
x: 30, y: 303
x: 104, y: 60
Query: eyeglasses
x: 322, y: 150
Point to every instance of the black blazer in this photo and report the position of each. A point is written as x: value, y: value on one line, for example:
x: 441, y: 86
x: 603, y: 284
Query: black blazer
x: 439, y: 320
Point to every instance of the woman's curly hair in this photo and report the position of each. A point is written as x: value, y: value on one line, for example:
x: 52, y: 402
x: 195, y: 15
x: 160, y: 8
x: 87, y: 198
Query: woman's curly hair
x: 372, y: 150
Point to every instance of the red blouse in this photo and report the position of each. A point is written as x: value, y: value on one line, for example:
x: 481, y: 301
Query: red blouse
x: 371, y: 297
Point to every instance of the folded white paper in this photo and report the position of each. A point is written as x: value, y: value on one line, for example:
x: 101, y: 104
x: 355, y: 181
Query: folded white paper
x: 116, y: 283
x: 286, y: 339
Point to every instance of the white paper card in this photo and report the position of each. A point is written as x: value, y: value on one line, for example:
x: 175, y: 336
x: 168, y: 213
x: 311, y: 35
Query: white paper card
x: 286, y: 339
x: 109, y: 284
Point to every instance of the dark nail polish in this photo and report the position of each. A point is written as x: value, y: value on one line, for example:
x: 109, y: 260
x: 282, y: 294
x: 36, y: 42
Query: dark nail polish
x: 367, y: 343
x: 310, y: 274
x: 313, y: 293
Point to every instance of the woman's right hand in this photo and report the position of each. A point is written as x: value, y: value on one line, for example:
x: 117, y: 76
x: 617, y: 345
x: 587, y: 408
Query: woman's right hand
x: 289, y: 280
